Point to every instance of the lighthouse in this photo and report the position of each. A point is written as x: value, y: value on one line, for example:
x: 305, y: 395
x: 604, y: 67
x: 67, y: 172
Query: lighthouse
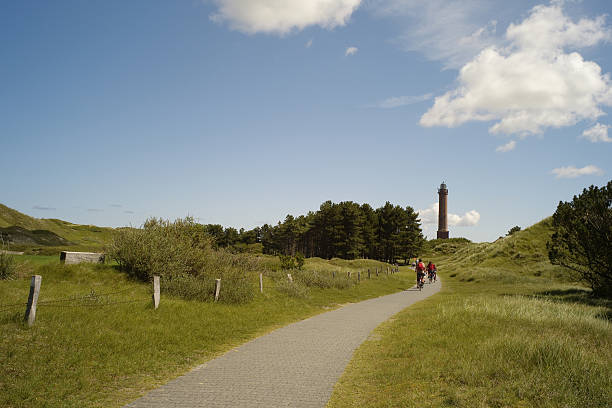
x: 442, y: 212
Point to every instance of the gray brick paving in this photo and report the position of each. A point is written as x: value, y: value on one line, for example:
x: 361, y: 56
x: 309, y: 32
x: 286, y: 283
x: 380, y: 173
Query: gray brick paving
x: 295, y: 366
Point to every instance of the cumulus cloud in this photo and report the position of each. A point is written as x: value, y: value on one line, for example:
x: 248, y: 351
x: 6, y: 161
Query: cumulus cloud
x: 430, y: 216
x: 507, y: 147
x: 597, y: 133
x: 351, y: 51
x: 397, y: 101
x: 282, y: 16
x: 532, y: 83
x: 573, y: 172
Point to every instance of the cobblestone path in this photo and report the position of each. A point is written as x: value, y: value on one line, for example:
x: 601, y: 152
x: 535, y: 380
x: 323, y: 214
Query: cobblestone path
x: 295, y: 366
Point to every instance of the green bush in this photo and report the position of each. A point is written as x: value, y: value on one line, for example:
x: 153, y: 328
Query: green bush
x: 293, y: 289
x: 181, y: 254
x: 8, y: 267
x: 292, y: 262
x: 299, y: 260
x: 286, y: 261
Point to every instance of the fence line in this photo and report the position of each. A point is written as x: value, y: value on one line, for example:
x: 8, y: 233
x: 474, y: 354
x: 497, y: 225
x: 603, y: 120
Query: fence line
x: 98, y: 304
x: 94, y: 299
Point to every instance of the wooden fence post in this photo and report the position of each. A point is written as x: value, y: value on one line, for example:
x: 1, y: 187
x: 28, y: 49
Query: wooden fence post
x: 156, y: 291
x: 377, y: 272
x: 217, y: 289
x: 30, y: 314
x: 290, y: 278
x: 348, y: 274
x: 369, y: 273
x: 333, y: 274
x: 358, y: 276
x: 261, y: 282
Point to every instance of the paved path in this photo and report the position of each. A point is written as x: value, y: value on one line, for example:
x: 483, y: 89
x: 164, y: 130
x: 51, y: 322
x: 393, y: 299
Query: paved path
x: 295, y: 366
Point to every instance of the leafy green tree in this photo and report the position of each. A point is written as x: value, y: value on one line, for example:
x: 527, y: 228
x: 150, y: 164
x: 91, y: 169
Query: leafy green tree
x: 216, y: 232
x: 582, y: 238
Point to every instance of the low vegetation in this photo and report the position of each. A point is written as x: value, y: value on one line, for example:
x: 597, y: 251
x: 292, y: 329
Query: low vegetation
x: 508, y: 330
x: 98, y: 342
x: 8, y: 268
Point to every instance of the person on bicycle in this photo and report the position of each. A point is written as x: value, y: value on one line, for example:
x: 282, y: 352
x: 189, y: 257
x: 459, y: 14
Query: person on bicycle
x: 431, y: 270
x: 420, y: 272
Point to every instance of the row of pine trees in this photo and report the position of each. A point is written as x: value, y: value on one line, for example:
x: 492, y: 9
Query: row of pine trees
x: 345, y: 230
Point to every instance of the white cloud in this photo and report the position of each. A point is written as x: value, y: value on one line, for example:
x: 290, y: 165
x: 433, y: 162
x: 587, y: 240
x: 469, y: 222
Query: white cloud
x: 597, y: 133
x: 397, y: 101
x: 351, y: 51
x: 430, y: 216
x: 309, y: 43
x: 532, y: 83
x: 452, y: 31
x: 282, y: 16
x: 573, y: 172
x: 469, y: 219
x: 507, y: 147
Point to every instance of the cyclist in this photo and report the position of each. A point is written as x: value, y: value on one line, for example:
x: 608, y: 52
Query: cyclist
x: 431, y: 271
x: 420, y: 273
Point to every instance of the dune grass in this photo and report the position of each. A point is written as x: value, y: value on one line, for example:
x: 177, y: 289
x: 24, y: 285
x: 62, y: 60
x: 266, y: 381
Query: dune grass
x: 506, y: 330
x: 104, y: 349
x: 485, y: 345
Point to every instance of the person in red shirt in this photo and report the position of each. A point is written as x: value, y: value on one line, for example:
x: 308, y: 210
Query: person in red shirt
x: 420, y: 272
x: 431, y: 271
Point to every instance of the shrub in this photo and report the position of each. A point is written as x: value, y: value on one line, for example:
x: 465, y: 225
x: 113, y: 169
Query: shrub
x: 181, y: 254
x: 513, y: 230
x: 322, y: 280
x: 8, y: 267
x: 581, y: 239
x: 286, y: 261
x: 293, y: 289
x: 299, y: 260
x: 292, y: 262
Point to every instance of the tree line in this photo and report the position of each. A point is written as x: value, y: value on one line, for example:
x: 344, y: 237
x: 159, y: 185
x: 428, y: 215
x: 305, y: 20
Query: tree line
x: 345, y: 230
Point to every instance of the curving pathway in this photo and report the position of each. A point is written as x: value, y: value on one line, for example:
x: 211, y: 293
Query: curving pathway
x: 295, y: 366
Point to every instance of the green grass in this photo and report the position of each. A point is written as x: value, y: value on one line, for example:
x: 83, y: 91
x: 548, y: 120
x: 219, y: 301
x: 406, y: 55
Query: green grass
x: 89, y: 353
x: 505, y: 331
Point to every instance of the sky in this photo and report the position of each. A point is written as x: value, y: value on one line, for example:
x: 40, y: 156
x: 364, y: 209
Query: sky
x: 239, y: 112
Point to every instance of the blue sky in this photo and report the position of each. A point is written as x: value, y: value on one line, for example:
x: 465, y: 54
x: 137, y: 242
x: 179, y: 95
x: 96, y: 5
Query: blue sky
x: 240, y: 112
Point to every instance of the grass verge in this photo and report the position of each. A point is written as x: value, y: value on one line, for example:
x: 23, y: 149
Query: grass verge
x: 525, y: 343
x: 106, y: 345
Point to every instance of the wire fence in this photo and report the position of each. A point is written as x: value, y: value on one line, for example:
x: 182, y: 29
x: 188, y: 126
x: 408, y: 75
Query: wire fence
x: 92, y: 299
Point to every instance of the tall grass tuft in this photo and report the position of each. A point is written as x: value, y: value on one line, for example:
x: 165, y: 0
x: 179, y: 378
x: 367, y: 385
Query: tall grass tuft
x: 8, y: 267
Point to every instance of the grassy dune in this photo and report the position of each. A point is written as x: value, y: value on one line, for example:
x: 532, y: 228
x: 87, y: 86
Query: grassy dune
x: 83, y: 237
x: 507, y: 330
x: 103, y: 349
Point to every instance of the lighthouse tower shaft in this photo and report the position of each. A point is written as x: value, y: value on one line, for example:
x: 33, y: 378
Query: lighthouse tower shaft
x: 442, y: 212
